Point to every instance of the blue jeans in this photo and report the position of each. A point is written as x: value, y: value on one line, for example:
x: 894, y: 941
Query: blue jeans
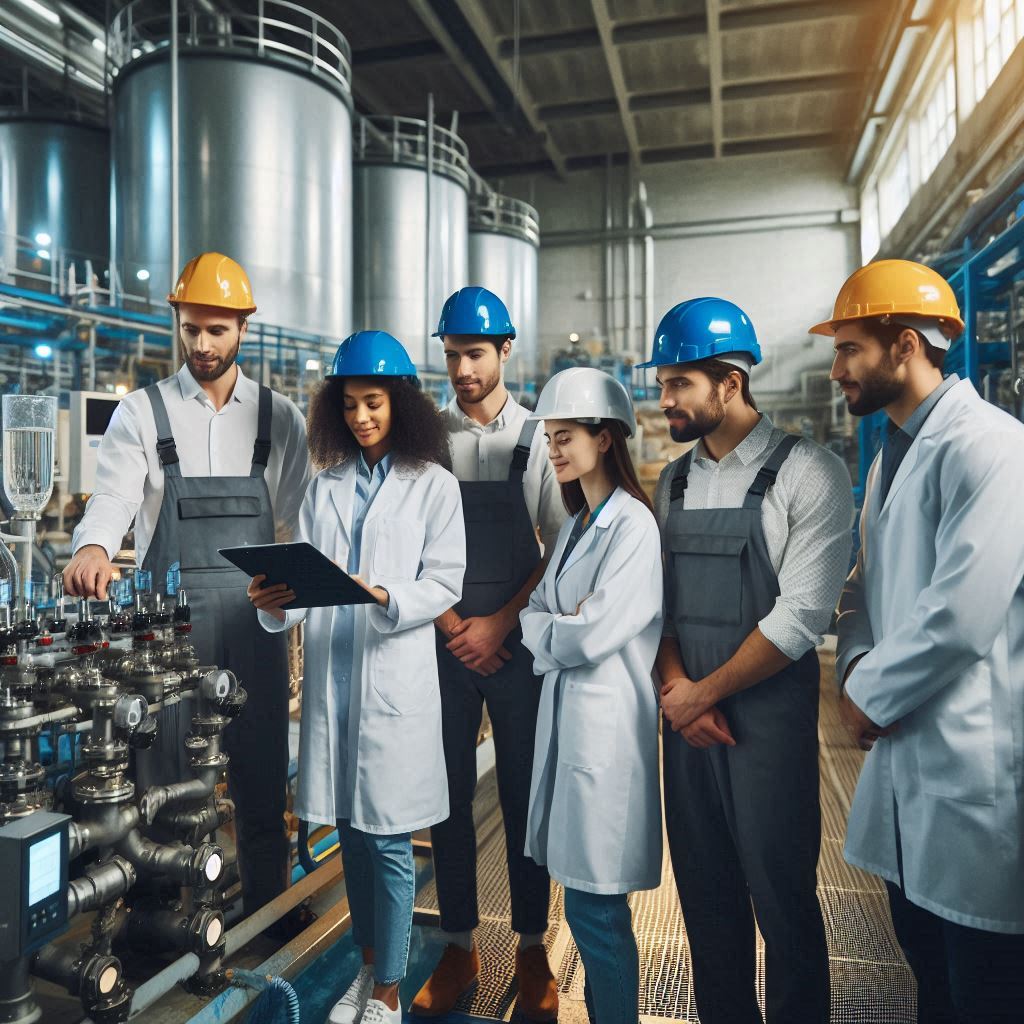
x: 381, y: 883
x: 603, y: 929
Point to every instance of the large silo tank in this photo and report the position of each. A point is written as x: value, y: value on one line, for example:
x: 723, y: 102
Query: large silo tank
x: 504, y: 237
x: 399, y: 286
x: 54, y: 195
x: 265, y: 166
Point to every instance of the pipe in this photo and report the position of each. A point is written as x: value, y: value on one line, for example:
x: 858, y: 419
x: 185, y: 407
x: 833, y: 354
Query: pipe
x: 92, y: 977
x: 628, y: 340
x: 101, y: 884
x: 607, y: 255
x: 647, y: 221
x: 202, y: 865
x: 165, y: 929
x: 427, y: 311
x: 261, y: 982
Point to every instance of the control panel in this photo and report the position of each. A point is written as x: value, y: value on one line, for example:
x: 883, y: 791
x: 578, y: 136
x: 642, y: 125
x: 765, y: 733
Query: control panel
x: 34, y: 896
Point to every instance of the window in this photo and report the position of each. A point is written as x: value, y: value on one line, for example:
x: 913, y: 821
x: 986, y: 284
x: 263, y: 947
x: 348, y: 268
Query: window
x: 998, y: 28
x: 936, y: 126
x: 894, y: 191
x: 870, y: 238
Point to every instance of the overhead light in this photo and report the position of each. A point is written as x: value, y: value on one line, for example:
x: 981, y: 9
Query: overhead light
x: 313, y: 365
x: 43, y: 254
x: 143, y: 274
x: 574, y: 337
x: 41, y: 11
x: 136, y: 52
x: 43, y: 238
x: 98, y: 44
x: 121, y: 389
x: 44, y: 351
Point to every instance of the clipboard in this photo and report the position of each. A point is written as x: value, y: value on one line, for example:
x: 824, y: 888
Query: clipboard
x: 316, y: 580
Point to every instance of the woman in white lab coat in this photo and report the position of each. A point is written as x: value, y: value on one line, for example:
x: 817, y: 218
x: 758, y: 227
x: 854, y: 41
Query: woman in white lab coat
x: 371, y: 756
x: 593, y: 626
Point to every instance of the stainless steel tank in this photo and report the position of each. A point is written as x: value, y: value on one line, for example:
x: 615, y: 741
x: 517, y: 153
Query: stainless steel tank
x: 265, y: 147
x: 54, y: 195
x: 400, y: 282
x: 504, y: 238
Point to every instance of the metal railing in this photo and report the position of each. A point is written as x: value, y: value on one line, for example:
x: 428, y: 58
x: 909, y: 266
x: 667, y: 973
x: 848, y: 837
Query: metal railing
x: 264, y: 28
x: 409, y: 141
x: 495, y: 212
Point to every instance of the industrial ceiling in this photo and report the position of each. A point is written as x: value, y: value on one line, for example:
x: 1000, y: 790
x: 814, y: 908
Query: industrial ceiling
x: 559, y: 85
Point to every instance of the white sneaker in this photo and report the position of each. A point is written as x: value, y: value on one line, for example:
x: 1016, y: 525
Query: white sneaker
x: 349, y: 1008
x: 377, y: 1012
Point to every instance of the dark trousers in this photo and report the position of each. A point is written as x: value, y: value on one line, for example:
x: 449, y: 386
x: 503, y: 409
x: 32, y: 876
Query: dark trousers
x: 744, y: 831
x: 964, y: 975
x: 513, y: 696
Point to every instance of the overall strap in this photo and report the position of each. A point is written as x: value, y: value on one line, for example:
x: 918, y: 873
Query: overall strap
x: 166, y: 449
x: 521, y: 454
x: 261, y: 449
x: 769, y: 471
x: 680, y: 478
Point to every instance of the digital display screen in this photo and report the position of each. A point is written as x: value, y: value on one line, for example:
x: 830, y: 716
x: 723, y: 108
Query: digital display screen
x: 43, y: 869
x: 97, y: 414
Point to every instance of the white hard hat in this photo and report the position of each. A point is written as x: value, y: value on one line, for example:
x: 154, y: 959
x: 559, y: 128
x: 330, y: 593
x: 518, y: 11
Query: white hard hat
x: 586, y: 394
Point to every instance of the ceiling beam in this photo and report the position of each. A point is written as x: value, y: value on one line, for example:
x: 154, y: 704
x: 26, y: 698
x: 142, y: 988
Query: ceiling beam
x: 482, y: 28
x: 700, y: 96
x: 713, y: 12
x: 611, y: 57
x: 416, y: 50
x: 654, y: 30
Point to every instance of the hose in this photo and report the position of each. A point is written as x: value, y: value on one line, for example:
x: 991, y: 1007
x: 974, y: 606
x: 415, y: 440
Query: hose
x: 277, y: 1002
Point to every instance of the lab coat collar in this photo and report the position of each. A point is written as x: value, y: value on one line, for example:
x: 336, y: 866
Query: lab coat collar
x: 604, y: 519
x: 935, y: 422
x: 245, y: 390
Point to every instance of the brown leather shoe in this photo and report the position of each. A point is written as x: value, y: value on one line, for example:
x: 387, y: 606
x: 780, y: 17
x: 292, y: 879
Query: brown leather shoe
x: 455, y: 974
x: 538, y: 992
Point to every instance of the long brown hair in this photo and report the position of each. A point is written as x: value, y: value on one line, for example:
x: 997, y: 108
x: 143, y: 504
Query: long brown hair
x: 617, y: 462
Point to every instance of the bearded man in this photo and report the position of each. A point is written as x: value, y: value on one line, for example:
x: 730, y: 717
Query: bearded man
x: 756, y: 537
x: 202, y: 460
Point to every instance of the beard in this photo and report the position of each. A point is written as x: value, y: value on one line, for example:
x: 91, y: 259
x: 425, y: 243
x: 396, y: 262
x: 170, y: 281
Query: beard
x: 486, y: 386
x: 687, y: 428
x: 877, y: 390
x: 211, y: 370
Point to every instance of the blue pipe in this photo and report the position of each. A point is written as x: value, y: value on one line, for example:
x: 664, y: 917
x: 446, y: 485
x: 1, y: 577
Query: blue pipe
x: 275, y: 995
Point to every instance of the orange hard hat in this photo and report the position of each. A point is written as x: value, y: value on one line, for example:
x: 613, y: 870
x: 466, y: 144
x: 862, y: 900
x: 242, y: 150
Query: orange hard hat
x: 895, y: 288
x: 211, y: 279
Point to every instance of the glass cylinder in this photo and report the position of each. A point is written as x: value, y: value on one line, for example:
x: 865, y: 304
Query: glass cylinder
x: 29, y: 423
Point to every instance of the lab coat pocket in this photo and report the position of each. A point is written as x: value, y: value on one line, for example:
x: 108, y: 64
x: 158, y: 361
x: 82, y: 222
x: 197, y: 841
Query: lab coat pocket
x: 955, y: 740
x: 586, y: 726
x: 399, y: 679
x: 708, y: 577
x: 397, y: 548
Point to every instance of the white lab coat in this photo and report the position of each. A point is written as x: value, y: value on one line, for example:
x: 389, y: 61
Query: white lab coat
x: 413, y: 545
x: 936, y: 606
x: 595, y: 797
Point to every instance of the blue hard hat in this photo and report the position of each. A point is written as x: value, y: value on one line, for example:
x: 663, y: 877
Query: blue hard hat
x: 475, y: 310
x: 705, y: 328
x: 371, y: 354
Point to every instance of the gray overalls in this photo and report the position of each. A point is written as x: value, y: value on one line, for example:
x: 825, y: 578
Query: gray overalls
x: 501, y: 553
x: 199, y: 515
x: 744, y: 822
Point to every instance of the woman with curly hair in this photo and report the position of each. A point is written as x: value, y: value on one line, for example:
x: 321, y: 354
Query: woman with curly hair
x: 371, y: 758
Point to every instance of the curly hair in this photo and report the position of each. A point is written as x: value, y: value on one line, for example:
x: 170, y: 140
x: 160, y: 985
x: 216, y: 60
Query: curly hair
x: 418, y: 430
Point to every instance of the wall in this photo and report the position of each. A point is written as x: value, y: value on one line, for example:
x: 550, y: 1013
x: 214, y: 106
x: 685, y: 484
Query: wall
x: 774, y: 233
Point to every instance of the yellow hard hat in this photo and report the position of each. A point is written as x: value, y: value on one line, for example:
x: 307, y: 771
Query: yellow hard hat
x: 895, y: 288
x: 211, y: 279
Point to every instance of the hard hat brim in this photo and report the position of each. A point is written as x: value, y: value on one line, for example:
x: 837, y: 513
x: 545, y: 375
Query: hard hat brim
x: 828, y: 327
x: 247, y: 310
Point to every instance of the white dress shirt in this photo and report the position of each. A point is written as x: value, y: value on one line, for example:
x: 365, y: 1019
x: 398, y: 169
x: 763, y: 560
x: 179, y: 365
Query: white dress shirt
x: 485, y: 453
x: 130, y: 479
x: 807, y: 517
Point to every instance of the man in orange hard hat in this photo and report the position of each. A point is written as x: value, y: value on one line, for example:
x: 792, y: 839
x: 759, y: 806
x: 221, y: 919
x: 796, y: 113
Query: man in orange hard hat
x: 203, y: 460
x: 930, y: 654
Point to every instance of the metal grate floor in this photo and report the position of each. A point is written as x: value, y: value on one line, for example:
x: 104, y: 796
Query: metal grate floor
x: 871, y: 983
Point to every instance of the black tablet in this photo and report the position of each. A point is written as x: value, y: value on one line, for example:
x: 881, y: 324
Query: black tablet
x: 316, y: 580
